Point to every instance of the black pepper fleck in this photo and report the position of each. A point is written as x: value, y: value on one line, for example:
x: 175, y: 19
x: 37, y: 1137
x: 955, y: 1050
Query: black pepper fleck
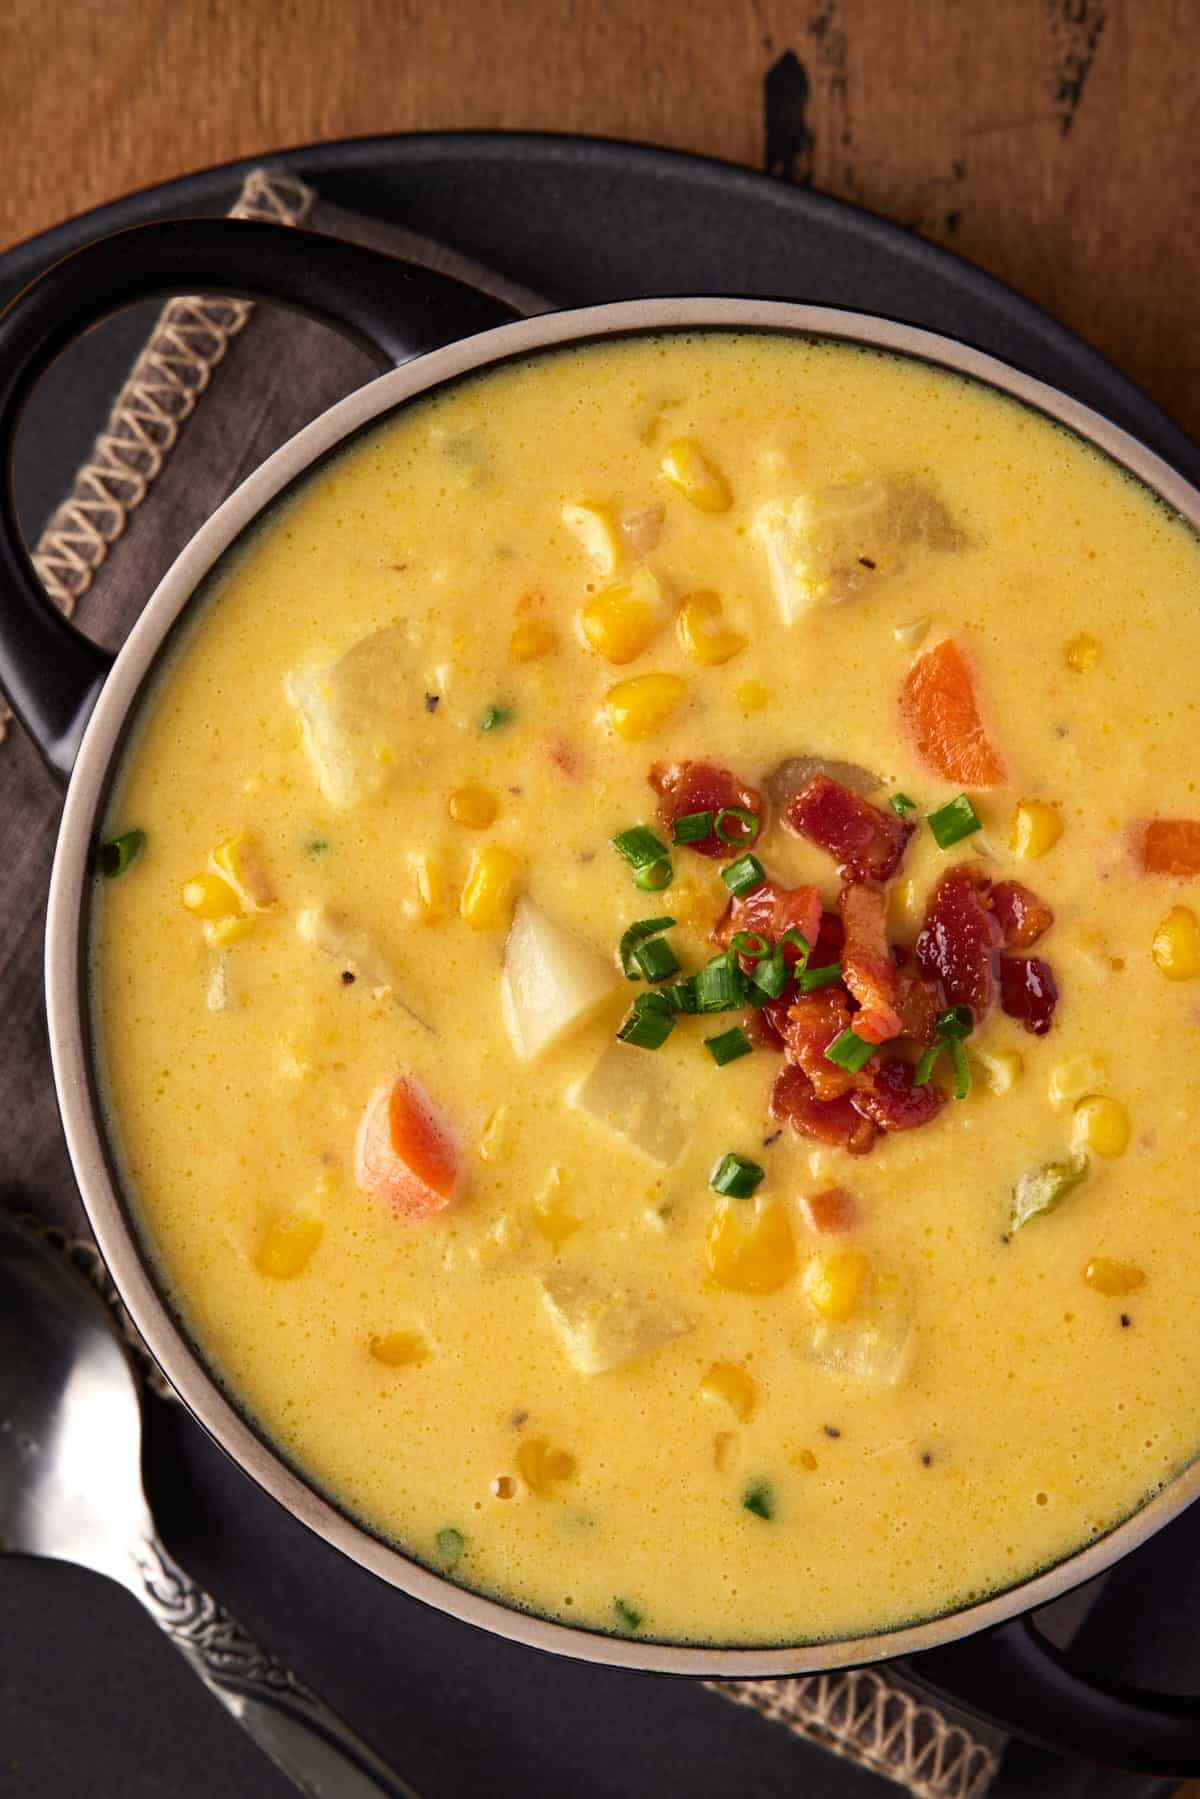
x: 1126, y: 1321
x: 831, y: 1430
x: 431, y: 701
x: 773, y: 1138
x: 865, y: 562
x: 519, y: 1418
x: 926, y: 1459
x: 348, y: 979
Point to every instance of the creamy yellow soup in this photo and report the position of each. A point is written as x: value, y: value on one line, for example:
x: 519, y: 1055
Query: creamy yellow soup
x: 378, y: 783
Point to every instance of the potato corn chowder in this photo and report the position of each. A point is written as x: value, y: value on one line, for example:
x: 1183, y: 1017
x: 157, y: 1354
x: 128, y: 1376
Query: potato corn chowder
x: 648, y: 1004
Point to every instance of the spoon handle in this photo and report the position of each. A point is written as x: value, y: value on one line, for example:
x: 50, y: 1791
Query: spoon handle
x: 302, y: 1736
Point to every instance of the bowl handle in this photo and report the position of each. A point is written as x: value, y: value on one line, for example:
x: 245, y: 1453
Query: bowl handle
x: 1015, y: 1677
x: 50, y: 672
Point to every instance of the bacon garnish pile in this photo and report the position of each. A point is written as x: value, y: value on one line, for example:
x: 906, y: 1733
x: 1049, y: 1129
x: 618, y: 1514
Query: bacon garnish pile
x: 963, y: 956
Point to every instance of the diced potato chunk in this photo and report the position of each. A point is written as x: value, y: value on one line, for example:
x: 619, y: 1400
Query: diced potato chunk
x: 874, y: 1345
x: 354, y: 950
x: 635, y: 1098
x: 551, y: 982
x: 596, y: 531
x: 349, y: 711
x: 602, y: 1327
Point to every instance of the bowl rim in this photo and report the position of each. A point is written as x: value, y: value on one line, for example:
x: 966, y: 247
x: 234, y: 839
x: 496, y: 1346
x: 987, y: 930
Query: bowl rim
x: 66, y: 968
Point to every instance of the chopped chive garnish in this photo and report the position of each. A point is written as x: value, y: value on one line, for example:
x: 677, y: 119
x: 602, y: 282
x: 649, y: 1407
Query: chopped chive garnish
x: 493, y: 718
x: 956, y: 1021
x: 901, y: 805
x: 928, y: 1062
x: 771, y: 976
x: 648, y: 1025
x: 850, y: 1052
x: 656, y: 959
x: 748, y: 826
x: 450, y: 1546
x: 638, y: 846
x: 693, y: 827
x: 315, y: 846
x: 640, y: 932
x: 750, y: 944
x: 728, y: 1046
x: 654, y: 877
x: 743, y: 876
x: 962, y: 1070
x: 758, y: 1500
x: 626, y: 1616
x: 114, y: 856
x: 735, y: 1176
x: 680, y: 996
x: 720, y: 985
x: 809, y: 979
x: 952, y: 822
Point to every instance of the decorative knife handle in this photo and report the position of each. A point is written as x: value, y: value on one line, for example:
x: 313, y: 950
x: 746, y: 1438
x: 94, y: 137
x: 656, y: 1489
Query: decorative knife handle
x: 303, y: 1737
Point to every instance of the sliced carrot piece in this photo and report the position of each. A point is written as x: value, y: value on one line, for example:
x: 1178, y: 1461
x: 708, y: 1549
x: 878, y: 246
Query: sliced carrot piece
x: 1170, y: 846
x: 405, y: 1153
x: 938, y: 705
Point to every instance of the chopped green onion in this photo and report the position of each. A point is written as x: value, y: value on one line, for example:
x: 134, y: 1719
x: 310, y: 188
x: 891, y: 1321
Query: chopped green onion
x: 743, y: 876
x: 656, y: 959
x: 1044, y: 1188
x: 720, y: 985
x: 693, y: 827
x: 749, y: 821
x: 626, y: 1616
x: 928, y: 1062
x: 751, y: 944
x: 799, y: 942
x: 639, y: 847
x: 116, y: 855
x: 956, y: 1021
x: 493, y: 718
x: 771, y: 976
x: 639, y: 933
x: 758, y: 1500
x: 954, y: 821
x: 654, y: 877
x: 901, y: 805
x: 450, y: 1546
x: 736, y: 1176
x: 315, y: 846
x: 809, y: 979
x: 962, y: 1071
x: 728, y: 1046
x: 648, y: 1025
x: 850, y: 1052
x: 680, y: 996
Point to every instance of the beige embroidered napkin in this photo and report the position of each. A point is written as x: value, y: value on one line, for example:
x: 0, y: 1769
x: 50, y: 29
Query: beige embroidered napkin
x: 218, y: 387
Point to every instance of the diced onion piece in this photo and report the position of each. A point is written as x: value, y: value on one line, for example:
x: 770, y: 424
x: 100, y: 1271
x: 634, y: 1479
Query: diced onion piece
x: 603, y: 1327
x: 551, y: 982
x: 634, y: 1096
x: 875, y: 1345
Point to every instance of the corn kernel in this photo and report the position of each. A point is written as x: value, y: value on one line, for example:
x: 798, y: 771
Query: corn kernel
x: 475, y: 807
x: 239, y: 861
x: 751, y: 696
x: 541, y: 1465
x: 642, y: 705
x: 1000, y: 1069
x: 551, y: 1219
x: 222, y: 931
x: 1082, y: 653
x: 1101, y: 1124
x: 624, y: 620
x: 1071, y: 1080
x: 700, y: 481
x: 287, y: 1246
x: 732, y: 1385
x: 833, y: 1285
x: 208, y: 896
x: 429, y: 884
x: 1036, y: 828
x: 531, y: 638
x: 1113, y: 1278
x: 493, y: 883
x: 399, y: 1349
x: 701, y: 633
x: 597, y: 534
x: 1177, y: 945
x: 750, y: 1248
x: 806, y: 1460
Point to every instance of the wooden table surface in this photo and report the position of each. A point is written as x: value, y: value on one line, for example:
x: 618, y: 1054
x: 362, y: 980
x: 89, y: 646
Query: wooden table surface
x: 1055, y: 142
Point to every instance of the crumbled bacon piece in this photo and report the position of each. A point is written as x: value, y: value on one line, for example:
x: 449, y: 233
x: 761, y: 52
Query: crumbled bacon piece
x: 686, y: 787
x: 867, y: 966
x: 919, y: 1005
x: 769, y: 911
x: 1021, y: 915
x: 832, y: 1121
x: 832, y: 1212
x: 960, y: 939
x: 892, y: 1103
x: 814, y: 1020
x: 831, y: 939
x: 1028, y: 991
x: 866, y: 844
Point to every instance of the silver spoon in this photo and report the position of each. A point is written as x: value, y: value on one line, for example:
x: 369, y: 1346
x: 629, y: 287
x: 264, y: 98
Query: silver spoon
x: 71, y: 1487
